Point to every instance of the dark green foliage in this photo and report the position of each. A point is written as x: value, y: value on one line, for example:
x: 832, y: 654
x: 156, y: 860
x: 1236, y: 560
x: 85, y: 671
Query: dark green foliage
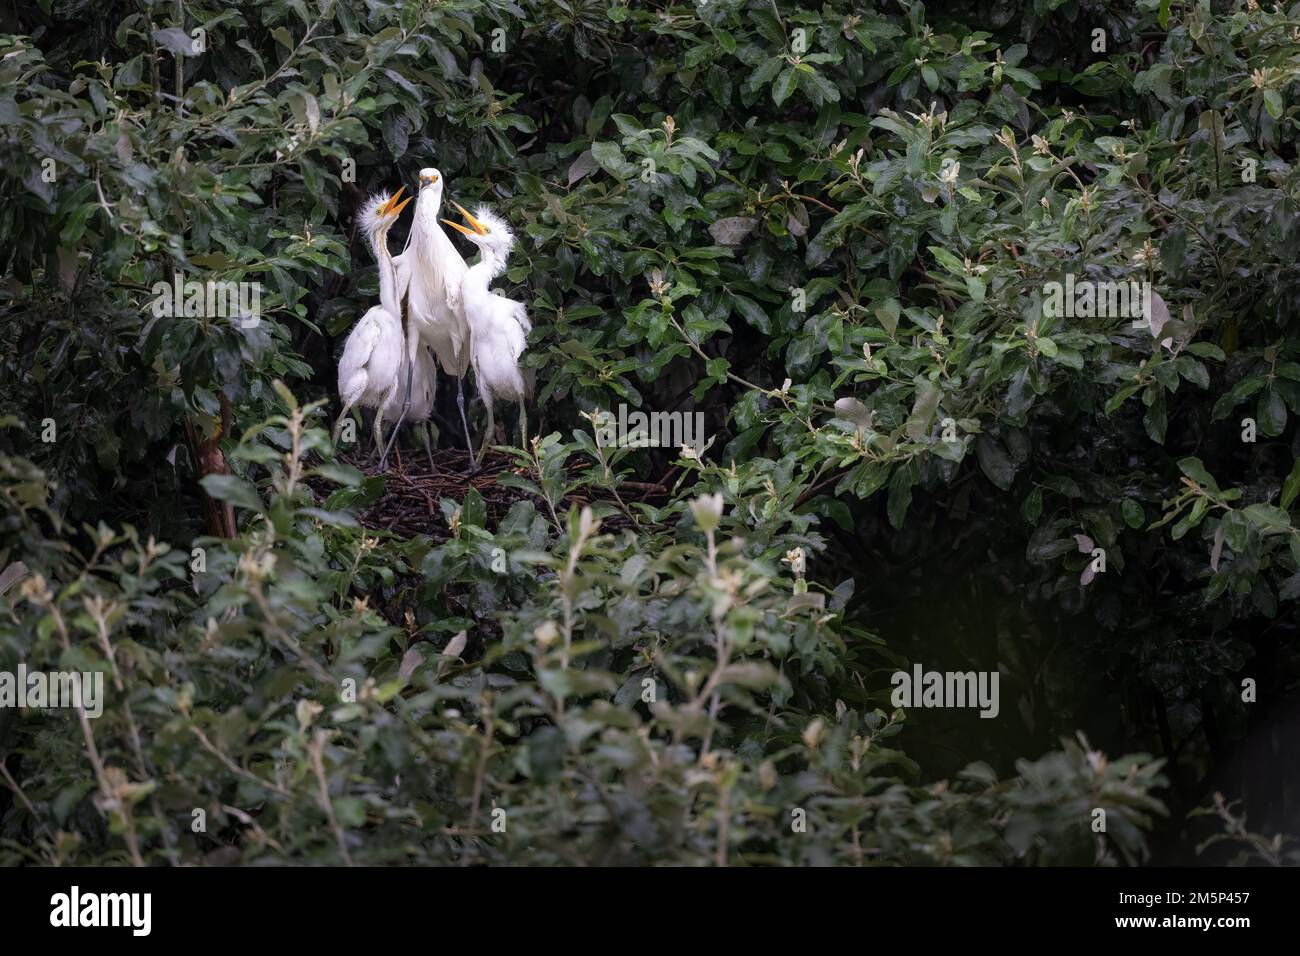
x: 829, y: 229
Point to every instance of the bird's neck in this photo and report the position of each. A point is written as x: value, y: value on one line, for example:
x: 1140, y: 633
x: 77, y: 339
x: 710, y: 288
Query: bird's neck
x: 491, y: 263
x: 387, y: 275
x: 430, y: 244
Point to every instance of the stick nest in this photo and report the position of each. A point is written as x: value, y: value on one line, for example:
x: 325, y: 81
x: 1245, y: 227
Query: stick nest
x: 410, y: 506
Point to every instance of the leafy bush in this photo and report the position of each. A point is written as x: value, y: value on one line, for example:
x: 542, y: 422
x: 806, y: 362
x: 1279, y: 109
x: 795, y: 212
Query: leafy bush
x: 830, y: 231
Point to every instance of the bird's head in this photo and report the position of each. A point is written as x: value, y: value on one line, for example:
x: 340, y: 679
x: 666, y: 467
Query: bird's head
x: 381, y: 211
x: 431, y: 179
x: 486, y: 230
x: 430, y: 201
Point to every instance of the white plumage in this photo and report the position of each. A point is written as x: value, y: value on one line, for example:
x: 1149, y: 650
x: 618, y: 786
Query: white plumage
x: 372, y: 354
x: 429, y: 275
x: 498, y: 326
x: 424, y: 387
x: 430, y: 271
x: 424, y: 390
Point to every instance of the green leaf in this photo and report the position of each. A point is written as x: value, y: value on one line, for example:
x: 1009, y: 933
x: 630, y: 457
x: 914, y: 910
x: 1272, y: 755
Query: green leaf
x: 785, y: 85
x: 900, y: 493
x: 1271, y: 411
x: 336, y: 519
x: 1242, y: 390
x: 1190, y: 520
x: 755, y: 675
x: 344, y: 475
x: 1291, y: 486
x: 1195, y: 470
x: 994, y: 461
x: 474, y: 509
x: 754, y: 313
x: 1267, y: 519
x: 1032, y: 508
x: 766, y: 71
x: 1273, y: 103
x: 822, y: 89
x: 948, y: 261
x: 1236, y: 531
x: 233, y: 489
x: 129, y: 73
x: 923, y: 408
x: 888, y: 315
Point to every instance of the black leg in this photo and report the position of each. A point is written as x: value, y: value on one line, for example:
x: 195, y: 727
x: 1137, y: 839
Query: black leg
x: 426, y: 434
x: 460, y: 404
x: 406, y: 406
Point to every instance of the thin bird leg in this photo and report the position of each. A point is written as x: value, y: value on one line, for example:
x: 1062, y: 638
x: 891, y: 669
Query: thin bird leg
x: 426, y: 435
x: 377, y: 428
x: 338, y: 425
x: 406, y: 407
x: 523, y: 426
x: 460, y: 404
x: 488, y: 432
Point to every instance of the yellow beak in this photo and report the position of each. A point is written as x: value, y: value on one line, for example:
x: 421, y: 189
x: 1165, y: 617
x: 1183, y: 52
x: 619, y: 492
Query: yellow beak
x: 427, y: 181
x: 478, y: 230
x: 388, y: 209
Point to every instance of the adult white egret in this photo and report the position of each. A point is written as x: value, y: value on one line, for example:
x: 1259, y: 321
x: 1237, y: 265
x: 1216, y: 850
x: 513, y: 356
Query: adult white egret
x: 498, y: 326
x: 372, y: 354
x: 430, y: 272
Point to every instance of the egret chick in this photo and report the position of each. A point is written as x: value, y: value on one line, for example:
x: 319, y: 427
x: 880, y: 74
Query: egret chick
x: 498, y: 326
x: 372, y: 354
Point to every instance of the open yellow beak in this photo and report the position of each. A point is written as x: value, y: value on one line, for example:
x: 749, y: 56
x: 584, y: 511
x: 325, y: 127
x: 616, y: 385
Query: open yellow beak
x: 478, y: 228
x: 388, y: 208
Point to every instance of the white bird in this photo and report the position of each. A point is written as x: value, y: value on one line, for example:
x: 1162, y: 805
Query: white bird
x: 372, y: 354
x: 430, y: 272
x: 498, y: 326
x: 424, y: 389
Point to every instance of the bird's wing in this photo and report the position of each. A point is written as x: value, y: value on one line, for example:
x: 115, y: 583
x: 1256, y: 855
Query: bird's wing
x: 357, y: 351
x: 452, y: 268
x: 521, y: 315
x: 364, y: 336
x: 499, y: 340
